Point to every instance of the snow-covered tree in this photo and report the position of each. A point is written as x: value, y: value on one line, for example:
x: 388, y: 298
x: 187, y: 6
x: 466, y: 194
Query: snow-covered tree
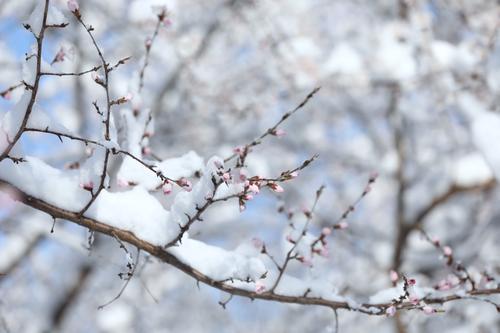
x: 223, y: 165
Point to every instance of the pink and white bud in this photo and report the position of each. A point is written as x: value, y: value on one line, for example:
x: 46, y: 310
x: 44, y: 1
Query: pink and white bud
x: 146, y: 151
x: 239, y: 150
x: 88, y: 186
x: 167, y: 188
x: 447, y: 251
x: 343, y: 225
x: 185, y: 184
x: 260, y: 287
x: 254, y: 188
x: 248, y: 197
x: 414, y: 300
x: 411, y: 282
x: 324, y: 252
x: 326, y: 231
x: 73, y: 6
x: 276, y: 187
x: 279, y: 132
x: 226, y: 176
x: 390, y: 311
x: 7, y: 95
x: 428, y: 310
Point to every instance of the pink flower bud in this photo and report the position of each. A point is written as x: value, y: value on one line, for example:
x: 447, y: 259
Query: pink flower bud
x: 447, y: 251
x: 414, y: 300
x: 73, y: 6
x: 343, y: 225
x: 394, y: 276
x: 260, y: 287
x: 428, y: 310
x: 242, y: 175
x: 89, y: 186
x: 185, y: 184
x: 226, y: 176
x: 167, y: 188
x: 239, y: 150
x: 128, y: 97
x: 326, y: 231
x: 411, y: 282
x: 248, y: 197
x: 435, y: 240
x: 324, y: 252
x: 276, y: 187
x: 148, y: 42
x: 279, y: 133
x: 390, y: 311
x: 7, y: 95
x: 146, y: 150
x: 254, y: 188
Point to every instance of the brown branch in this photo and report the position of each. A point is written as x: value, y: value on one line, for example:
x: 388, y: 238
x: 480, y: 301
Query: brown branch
x: 270, y: 131
x: 162, y: 254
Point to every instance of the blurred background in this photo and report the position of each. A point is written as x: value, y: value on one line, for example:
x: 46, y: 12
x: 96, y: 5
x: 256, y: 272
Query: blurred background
x: 399, y: 82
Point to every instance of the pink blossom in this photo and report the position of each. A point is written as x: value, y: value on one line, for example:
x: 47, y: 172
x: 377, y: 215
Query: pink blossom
x: 260, y: 287
x: 343, y: 225
x: 306, y: 261
x: 226, y: 176
x: 185, y: 184
x: 89, y: 186
x: 414, y: 300
x: 242, y: 175
x: 276, y: 187
x: 394, y: 276
x: 248, y: 197
x: 128, y: 97
x: 96, y: 77
x: 279, y: 132
x: 324, y: 252
x: 411, y: 282
x: 254, y: 188
x: 444, y: 285
x: 447, y: 251
x: 257, y: 243
x: 390, y: 311
x: 7, y: 95
x: 428, y: 310
x: 73, y: 6
x: 167, y: 188
x: 240, y: 150
x: 326, y: 231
